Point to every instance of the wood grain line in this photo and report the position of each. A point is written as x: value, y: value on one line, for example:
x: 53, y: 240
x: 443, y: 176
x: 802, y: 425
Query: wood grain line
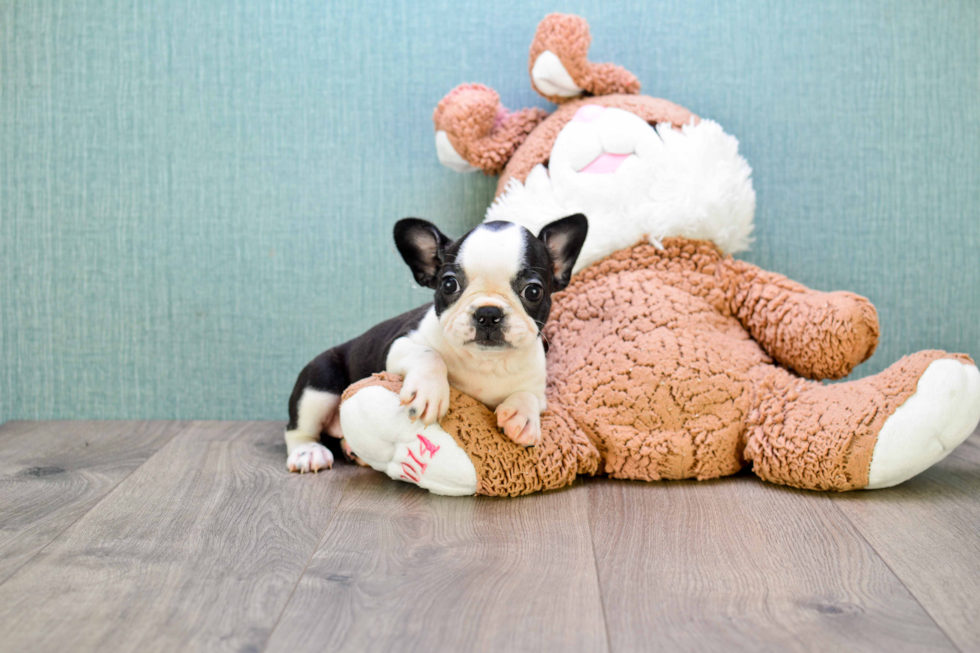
x: 52, y: 473
x: 197, y: 550
x: 157, y: 536
x: 740, y: 564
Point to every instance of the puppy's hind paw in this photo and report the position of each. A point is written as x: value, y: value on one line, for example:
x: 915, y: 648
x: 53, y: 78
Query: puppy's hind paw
x: 310, y: 457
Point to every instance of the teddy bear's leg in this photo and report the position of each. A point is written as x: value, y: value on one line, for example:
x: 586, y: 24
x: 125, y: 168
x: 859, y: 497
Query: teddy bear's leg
x: 378, y: 430
x: 871, y: 433
x: 942, y: 413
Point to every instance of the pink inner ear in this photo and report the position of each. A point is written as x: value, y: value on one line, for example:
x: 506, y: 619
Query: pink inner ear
x: 605, y: 164
x: 588, y: 113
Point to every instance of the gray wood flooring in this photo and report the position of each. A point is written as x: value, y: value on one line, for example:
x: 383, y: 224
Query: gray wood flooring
x: 191, y: 536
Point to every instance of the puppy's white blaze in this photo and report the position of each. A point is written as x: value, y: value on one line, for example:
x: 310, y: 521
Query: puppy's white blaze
x: 492, y: 255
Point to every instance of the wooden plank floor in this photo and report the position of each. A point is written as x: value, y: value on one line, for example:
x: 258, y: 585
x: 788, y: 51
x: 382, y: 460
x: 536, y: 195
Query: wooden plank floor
x: 165, y: 536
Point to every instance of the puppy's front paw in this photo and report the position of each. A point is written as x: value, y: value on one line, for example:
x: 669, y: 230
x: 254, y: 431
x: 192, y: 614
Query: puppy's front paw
x: 425, y: 397
x: 310, y: 457
x: 521, y: 423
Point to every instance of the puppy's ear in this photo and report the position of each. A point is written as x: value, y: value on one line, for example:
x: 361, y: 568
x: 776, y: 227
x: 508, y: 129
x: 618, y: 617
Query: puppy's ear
x: 422, y: 246
x: 564, y: 239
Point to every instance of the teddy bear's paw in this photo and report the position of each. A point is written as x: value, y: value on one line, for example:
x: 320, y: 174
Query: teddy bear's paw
x: 938, y: 417
x: 380, y: 433
x: 311, y: 457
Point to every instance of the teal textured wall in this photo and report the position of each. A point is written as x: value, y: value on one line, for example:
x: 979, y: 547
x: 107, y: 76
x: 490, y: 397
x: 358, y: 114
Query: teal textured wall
x: 197, y: 196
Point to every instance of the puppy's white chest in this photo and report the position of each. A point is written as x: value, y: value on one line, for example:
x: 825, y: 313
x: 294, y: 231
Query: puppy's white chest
x: 492, y: 380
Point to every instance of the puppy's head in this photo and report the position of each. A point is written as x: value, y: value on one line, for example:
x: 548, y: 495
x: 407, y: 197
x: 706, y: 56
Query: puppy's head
x: 493, y: 286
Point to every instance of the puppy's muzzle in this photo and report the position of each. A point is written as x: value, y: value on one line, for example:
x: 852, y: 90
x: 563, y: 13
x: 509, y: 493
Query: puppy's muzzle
x: 488, y: 322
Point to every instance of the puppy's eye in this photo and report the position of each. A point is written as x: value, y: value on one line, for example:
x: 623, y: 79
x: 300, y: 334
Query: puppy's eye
x: 532, y: 292
x: 450, y: 285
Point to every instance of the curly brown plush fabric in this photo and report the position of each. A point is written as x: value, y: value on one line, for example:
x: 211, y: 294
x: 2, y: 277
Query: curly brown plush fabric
x: 480, y: 129
x: 661, y: 367
x: 647, y: 357
x: 569, y: 39
x: 651, y: 353
x: 819, y: 335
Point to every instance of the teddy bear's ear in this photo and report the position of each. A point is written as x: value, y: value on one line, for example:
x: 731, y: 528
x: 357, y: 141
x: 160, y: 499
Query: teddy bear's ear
x: 475, y: 132
x: 560, y: 66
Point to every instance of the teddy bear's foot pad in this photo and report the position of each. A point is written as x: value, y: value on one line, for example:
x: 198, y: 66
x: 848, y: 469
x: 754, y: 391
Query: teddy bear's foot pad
x: 377, y: 429
x: 938, y: 417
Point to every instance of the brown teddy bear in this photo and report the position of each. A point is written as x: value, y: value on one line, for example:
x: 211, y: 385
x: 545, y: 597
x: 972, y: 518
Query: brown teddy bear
x: 668, y: 358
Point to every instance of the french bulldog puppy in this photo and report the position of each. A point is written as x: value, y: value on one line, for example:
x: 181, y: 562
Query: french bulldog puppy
x: 481, y: 334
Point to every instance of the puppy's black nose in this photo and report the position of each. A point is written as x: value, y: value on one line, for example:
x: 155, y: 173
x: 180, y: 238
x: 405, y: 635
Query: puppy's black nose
x: 488, y: 316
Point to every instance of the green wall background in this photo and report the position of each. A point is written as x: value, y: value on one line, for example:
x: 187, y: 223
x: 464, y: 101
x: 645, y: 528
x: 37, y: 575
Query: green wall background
x: 197, y: 196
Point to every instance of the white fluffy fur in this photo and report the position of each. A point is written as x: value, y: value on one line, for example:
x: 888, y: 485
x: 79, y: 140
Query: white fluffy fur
x: 691, y: 183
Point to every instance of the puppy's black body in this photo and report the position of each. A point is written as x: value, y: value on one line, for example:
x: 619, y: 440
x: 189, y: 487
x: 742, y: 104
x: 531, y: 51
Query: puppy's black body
x: 335, y: 369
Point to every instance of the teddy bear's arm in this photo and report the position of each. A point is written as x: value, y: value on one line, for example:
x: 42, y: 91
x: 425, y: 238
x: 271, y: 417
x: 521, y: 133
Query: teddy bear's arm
x: 820, y: 335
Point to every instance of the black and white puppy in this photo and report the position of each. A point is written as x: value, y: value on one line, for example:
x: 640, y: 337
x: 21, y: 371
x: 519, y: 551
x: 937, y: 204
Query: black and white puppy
x: 481, y: 334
